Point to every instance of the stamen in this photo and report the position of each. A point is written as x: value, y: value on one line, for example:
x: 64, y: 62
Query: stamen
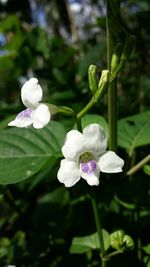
x: 25, y: 114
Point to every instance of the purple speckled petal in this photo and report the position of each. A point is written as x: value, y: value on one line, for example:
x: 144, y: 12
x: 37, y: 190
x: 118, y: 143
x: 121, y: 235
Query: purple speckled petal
x: 24, y: 114
x: 23, y: 119
x: 84, y: 167
x: 89, y: 167
x: 90, y: 172
x: 93, y: 165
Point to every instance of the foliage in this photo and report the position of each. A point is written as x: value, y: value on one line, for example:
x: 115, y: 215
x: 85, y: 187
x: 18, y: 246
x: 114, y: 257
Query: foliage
x: 134, y: 131
x: 27, y: 151
x: 84, y: 244
x: 41, y: 222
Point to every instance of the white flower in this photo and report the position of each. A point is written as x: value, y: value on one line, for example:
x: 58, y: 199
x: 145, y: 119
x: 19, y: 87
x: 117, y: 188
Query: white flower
x: 36, y: 113
x: 86, y: 156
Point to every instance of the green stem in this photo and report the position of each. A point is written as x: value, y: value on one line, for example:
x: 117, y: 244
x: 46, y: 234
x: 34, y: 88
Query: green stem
x: 86, y: 108
x: 139, y: 165
x: 98, y: 227
x: 114, y: 253
x: 112, y: 92
x: 102, y: 87
x: 112, y: 115
x: 104, y: 263
x: 79, y: 125
x: 10, y: 201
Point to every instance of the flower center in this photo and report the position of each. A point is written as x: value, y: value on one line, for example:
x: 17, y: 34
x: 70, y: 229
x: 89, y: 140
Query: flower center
x: 25, y: 114
x: 88, y: 163
x: 89, y: 167
x: 86, y: 157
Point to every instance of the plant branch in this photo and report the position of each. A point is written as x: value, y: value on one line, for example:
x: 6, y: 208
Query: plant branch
x: 139, y: 165
x: 102, y: 87
x: 112, y: 92
x: 98, y: 227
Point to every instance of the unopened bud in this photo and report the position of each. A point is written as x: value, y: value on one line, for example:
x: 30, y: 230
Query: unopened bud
x: 92, y: 75
x: 116, y: 57
x: 120, y: 241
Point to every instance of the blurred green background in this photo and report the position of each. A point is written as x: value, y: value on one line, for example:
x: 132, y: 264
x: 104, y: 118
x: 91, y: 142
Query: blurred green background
x: 53, y: 42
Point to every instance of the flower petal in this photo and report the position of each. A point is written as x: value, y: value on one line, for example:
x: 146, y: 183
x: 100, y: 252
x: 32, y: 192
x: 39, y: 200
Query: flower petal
x: 31, y: 93
x: 91, y: 179
x: 74, y: 145
x: 41, y: 116
x: 90, y: 172
x: 95, y: 139
x: 23, y: 119
x: 110, y: 163
x: 68, y: 173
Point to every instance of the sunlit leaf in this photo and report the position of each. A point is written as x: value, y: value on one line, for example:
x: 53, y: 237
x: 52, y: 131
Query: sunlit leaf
x: 147, y: 249
x: 134, y: 131
x: 23, y: 152
x: 147, y: 169
x: 84, y: 244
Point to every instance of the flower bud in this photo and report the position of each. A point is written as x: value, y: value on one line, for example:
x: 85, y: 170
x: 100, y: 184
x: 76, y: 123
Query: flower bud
x: 92, y: 73
x: 127, y: 51
x: 116, y: 239
x: 116, y: 57
x: 65, y: 111
x: 120, y: 241
x: 103, y: 84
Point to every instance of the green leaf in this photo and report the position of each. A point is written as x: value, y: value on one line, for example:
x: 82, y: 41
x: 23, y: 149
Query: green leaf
x: 60, y: 195
x: 146, y: 260
x: 48, y: 168
x: 147, y: 249
x: 4, y: 122
x: 84, y: 244
x: 120, y: 241
x: 124, y: 204
x: 147, y: 169
x: 9, y: 23
x: 23, y: 152
x: 134, y: 131
x: 93, y: 118
x: 91, y: 56
x: 148, y: 264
